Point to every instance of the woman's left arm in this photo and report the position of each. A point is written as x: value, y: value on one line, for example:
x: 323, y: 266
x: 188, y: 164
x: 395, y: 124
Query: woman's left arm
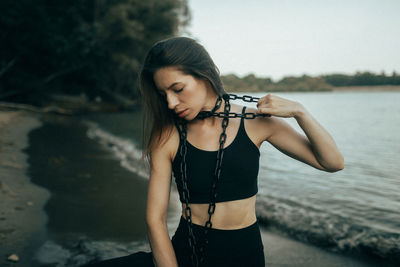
x: 318, y: 149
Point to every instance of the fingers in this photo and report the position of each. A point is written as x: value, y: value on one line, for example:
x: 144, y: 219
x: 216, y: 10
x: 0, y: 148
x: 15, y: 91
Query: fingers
x: 264, y: 100
x: 276, y: 106
x: 264, y: 110
x: 264, y: 104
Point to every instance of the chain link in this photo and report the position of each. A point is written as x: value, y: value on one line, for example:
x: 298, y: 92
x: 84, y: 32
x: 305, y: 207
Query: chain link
x: 217, y: 175
x: 186, y: 195
x: 198, y: 260
x: 226, y: 114
x: 246, y: 98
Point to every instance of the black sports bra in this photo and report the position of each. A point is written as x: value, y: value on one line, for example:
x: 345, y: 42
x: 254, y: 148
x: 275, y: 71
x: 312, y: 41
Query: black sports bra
x: 239, y: 171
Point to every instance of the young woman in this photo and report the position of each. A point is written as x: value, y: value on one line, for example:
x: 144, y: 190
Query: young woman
x: 212, y: 149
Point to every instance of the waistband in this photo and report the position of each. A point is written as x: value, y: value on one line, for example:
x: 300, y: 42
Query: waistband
x: 197, y: 227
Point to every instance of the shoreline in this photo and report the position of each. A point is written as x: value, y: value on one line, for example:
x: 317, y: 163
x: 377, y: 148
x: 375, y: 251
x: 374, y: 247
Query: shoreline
x: 22, y: 218
x: 369, y: 88
x: 27, y: 238
x: 283, y: 250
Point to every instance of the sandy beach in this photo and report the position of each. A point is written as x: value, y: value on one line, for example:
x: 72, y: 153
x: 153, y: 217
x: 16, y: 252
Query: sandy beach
x: 89, y: 185
x: 22, y: 218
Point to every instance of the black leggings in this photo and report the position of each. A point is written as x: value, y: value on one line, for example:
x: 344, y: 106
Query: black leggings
x: 241, y: 247
x: 233, y: 248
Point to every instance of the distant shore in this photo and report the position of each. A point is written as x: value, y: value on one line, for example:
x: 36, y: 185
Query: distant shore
x: 366, y: 88
x: 369, y: 88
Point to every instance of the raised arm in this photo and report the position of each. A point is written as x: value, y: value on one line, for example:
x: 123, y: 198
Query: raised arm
x: 317, y: 148
x: 157, y: 205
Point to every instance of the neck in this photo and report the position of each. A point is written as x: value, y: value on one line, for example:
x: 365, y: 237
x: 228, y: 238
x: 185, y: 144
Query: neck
x: 210, y: 103
x: 213, y: 104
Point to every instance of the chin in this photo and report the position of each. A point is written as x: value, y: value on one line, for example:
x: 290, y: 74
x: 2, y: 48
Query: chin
x: 190, y: 117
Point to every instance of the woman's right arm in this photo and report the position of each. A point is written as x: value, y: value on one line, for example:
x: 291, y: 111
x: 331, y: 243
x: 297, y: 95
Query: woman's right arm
x: 157, y: 205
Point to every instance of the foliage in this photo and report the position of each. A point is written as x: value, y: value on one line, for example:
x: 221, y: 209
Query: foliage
x: 248, y: 83
x: 251, y: 83
x: 93, y: 47
x: 362, y: 78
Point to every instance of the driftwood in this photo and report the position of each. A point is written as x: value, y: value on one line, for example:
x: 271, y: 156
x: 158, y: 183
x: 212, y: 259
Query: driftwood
x: 70, y: 105
x: 115, y: 97
x: 114, y: 101
x: 48, y: 109
x: 39, y: 85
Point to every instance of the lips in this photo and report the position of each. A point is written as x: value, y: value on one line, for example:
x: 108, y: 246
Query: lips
x: 181, y: 113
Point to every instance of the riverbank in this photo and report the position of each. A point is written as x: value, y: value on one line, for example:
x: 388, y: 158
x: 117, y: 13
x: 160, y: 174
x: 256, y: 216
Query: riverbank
x: 22, y: 218
x: 79, y: 221
x: 369, y: 88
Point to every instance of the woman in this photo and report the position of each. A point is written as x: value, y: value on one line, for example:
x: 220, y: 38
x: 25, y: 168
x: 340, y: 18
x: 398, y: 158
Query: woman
x: 214, y: 157
x: 179, y: 78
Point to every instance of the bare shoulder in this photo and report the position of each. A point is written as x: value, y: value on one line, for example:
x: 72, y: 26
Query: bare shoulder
x: 260, y: 128
x: 167, y: 145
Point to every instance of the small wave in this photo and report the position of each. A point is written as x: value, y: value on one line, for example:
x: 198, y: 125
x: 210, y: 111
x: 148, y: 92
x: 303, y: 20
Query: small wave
x: 330, y: 231
x: 124, y: 149
x: 84, y: 251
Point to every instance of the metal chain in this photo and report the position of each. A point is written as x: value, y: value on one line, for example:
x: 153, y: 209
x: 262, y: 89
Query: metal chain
x: 196, y: 260
x: 217, y: 175
x: 225, y: 114
x: 185, y: 192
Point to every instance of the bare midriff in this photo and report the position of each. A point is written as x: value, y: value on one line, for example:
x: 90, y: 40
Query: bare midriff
x: 228, y: 215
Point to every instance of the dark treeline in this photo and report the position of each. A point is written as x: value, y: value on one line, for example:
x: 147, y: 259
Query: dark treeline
x: 362, y: 79
x: 251, y: 83
x: 93, y: 47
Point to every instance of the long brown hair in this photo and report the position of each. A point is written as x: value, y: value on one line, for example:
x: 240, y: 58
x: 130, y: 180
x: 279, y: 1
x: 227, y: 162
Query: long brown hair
x: 188, y: 56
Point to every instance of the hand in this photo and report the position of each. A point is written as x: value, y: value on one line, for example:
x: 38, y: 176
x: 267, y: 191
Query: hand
x: 279, y: 107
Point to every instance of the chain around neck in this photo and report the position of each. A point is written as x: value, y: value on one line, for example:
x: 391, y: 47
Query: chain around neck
x: 198, y: 260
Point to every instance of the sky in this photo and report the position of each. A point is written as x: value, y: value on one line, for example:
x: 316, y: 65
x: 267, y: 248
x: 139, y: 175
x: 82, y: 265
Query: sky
x: 277, y: 38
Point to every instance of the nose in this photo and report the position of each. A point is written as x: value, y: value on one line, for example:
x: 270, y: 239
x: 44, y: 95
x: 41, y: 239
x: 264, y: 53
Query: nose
x: 172, y: 101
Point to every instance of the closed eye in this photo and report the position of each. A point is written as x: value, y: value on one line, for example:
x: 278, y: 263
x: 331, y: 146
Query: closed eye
x: 163, y: 94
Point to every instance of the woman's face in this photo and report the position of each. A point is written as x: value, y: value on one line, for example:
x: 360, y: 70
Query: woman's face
x: 185, y: 94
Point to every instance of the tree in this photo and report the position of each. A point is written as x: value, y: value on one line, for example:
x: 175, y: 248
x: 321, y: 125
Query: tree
x: 84, y: 46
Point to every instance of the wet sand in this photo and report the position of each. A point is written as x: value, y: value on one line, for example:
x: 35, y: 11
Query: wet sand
x: 22, y: 218
x: 82, y: 195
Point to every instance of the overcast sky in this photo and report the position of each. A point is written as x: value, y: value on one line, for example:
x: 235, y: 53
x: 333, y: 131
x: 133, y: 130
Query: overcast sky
x: 276, y: 38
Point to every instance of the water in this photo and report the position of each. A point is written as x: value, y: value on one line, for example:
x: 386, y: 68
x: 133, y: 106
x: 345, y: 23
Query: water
x: 356, y: 209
